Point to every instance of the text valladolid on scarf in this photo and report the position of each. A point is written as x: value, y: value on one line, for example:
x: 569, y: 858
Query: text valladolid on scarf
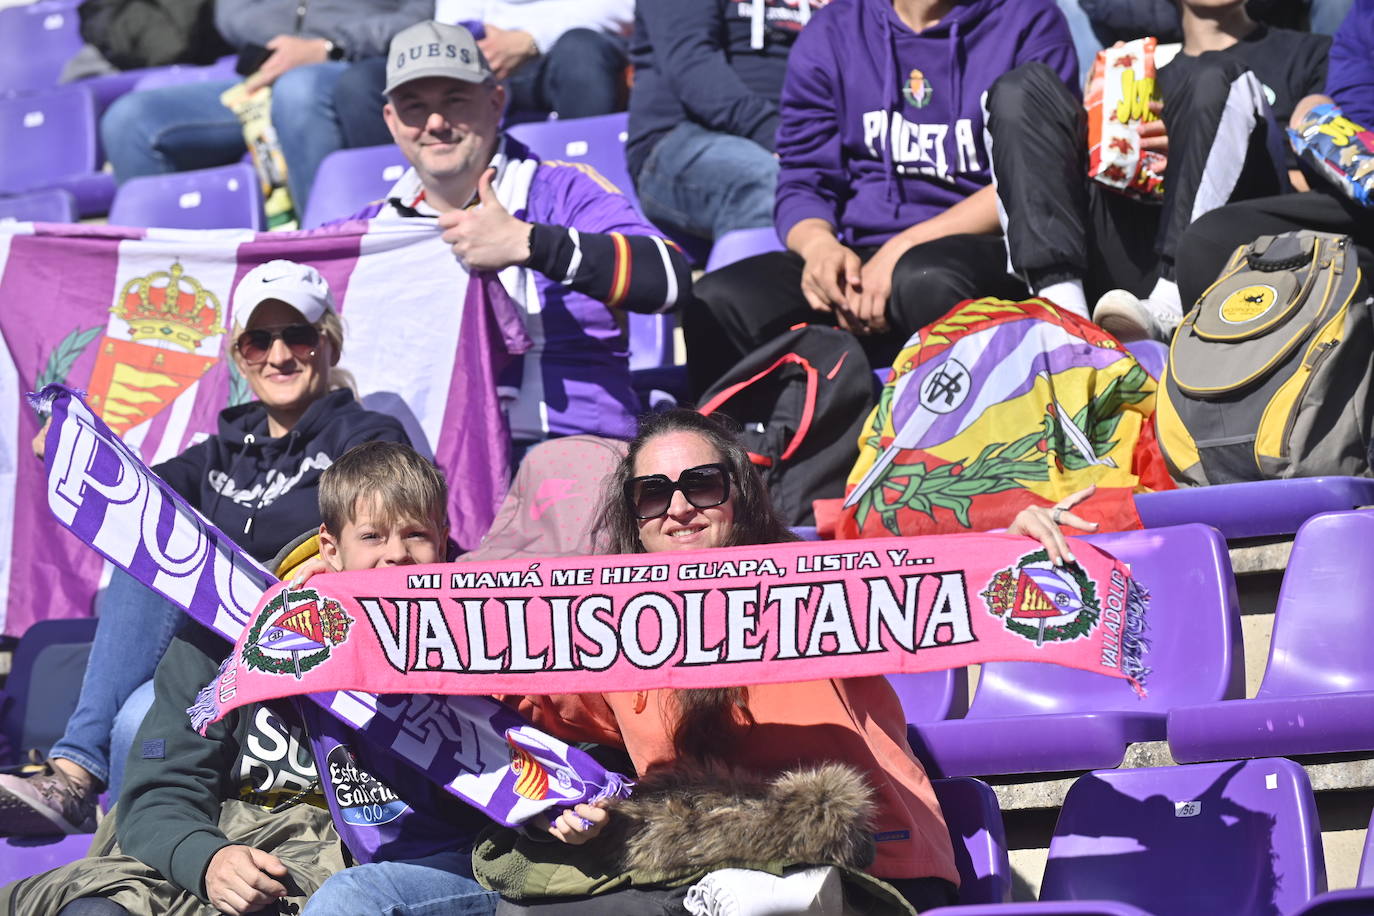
x: 731, y: 616
x: 477, y: 749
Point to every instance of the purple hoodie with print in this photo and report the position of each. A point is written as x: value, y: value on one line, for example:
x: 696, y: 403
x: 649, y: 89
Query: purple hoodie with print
x: 881, y: 127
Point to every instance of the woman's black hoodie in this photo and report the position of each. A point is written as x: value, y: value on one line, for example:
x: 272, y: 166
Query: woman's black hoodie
x: 261, y: 491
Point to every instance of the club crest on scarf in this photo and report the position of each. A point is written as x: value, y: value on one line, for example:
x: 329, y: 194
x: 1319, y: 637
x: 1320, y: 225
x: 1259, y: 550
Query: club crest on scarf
x: 1043, y: 602
x: 917, y: 90
x: 294, y: 632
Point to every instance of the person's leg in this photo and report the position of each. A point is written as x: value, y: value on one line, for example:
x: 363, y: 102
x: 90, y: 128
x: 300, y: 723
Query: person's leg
x: 122, y: 732
x: 1037, y: 138
x: 738, y: 307
x: 303, y: 116
x: 358, y: 102
x: 1209, y: 242
x: 703, y: 183
x: 1327, y: 15
x: 93, y: 906
x: 1223, y: 145
x: 171, y: 129
x: 583, y: 74
x: 931, y: 279
x: 439, y: 885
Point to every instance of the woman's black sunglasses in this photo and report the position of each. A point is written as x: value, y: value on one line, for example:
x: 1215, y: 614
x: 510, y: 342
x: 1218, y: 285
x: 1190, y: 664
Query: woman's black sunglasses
x: 300, y: 339
x: 704, y: 486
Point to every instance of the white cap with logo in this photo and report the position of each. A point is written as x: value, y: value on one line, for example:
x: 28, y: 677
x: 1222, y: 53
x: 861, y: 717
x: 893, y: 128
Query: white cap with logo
x: 298, y: 285
x: 434, y: 49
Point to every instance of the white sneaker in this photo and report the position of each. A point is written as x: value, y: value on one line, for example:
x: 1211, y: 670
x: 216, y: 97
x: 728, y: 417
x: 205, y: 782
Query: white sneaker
x: 1128, y: 317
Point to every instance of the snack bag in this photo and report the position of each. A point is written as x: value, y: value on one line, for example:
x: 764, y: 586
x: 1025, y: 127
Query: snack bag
x: 1338, y: 148
x: 1118, y: 99
x: 255, y: 114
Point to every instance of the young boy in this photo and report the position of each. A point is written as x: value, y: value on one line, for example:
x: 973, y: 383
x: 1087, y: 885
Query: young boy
x: 235, y: 821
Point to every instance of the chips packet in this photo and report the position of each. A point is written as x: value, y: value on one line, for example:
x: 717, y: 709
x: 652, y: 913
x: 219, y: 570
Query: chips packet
x: 1118, y: 97
x: 254, y: 112
x: 1339, y: 149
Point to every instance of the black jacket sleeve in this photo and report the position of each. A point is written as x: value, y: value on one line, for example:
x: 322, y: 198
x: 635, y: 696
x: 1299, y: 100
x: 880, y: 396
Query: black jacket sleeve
x: 175, y: 779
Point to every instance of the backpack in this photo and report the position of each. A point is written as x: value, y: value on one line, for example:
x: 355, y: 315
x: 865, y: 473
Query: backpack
x: 998, y: 406
x: 1269, y: 376
x: 801, y: 400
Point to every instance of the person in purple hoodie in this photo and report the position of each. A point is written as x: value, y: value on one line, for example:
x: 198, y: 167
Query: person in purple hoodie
x: 884, y: 197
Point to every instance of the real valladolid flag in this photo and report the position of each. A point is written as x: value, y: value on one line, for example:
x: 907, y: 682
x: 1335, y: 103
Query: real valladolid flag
x: 140, y: 320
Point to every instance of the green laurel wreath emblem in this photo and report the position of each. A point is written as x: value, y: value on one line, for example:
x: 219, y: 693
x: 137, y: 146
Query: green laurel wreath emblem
x: 253, y: 657
x: 1080, y: 626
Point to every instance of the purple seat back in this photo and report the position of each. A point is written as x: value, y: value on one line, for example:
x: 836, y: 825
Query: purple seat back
x: 23, y: 857
x: 1239, y: 838
x: 36, y: 41
x: 1194, y: 632
x: 932, y: 695
x: 598, y: 142
x: 651, y: 340
x: 1357, y: 901
x: 46, y: 137
x: 1257, y: 508
x: 1366, y: 875
x: 177, y: 74
x: 975, y: 827
x: 55, y: 205
x: 1323, y: 639
x: 44, y: 680
x: 350, y: 179
x: 1053, y: 908
x: 228, y: 197
x: 742, y: 243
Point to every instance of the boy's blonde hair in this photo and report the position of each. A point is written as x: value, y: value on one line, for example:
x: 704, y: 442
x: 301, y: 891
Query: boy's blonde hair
x: 398, y: 481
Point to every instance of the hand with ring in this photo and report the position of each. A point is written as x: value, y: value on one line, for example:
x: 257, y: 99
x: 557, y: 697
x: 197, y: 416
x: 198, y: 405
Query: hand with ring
x: 1043, y: 525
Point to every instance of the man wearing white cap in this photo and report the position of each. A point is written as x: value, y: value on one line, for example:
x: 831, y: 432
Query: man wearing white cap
x: 255, y: 480
x: 569, y: 248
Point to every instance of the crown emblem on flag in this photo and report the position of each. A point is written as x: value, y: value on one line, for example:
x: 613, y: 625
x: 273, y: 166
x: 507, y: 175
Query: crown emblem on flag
x: 169, y: 305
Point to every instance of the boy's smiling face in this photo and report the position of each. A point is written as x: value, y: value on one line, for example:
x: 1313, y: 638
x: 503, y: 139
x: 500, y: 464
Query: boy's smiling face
x: 372, y: 541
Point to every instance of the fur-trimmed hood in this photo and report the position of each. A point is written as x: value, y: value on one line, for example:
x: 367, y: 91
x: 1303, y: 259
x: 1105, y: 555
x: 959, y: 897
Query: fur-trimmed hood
x: 692, y: 817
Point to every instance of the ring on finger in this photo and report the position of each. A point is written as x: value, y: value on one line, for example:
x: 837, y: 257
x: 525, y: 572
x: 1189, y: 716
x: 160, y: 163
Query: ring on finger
x: 1056, y: 514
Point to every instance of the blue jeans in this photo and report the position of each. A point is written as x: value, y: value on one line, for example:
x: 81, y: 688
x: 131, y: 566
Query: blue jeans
x: 178, y: 128
x: 122, y: 733
x: 439, y: 884
x: 579, y: 77
x: 705, y: 183
x: 135, y: 625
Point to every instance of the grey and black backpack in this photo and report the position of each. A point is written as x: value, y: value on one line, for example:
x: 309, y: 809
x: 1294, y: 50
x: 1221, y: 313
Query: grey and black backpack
x: 1269, y: 376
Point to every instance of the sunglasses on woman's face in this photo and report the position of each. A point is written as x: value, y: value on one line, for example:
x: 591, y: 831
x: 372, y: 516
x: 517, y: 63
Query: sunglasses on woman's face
x: 704, y: 486
x: 300, y: 339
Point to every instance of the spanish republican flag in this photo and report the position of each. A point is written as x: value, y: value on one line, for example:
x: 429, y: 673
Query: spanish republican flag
x: 998, y: 406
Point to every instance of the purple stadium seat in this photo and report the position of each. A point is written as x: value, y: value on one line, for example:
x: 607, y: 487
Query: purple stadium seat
x: 54, y: 205
x: 1258, y: 508
x: 49, y: 141
x: 1052, y: 908
x: 22, y: 857
x: 742, y: 243
x: 221, y: 198
x: 158, y: 77
x: 600, y: 143
x: 43, y: 683
x: 350, y: 179
x: 1355, y: 901
x: 1317, y: 695
x: 651, y: 340
x: 980, y: 843
x: 1151, y: 354
x: 1028, y: 717
x: 932, y: 696
x: 1238, y: 838
x: 36, y: 41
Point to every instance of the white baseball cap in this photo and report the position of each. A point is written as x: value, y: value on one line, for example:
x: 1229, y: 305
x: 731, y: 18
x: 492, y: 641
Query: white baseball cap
x: 298, y: 285
x: 435, y: 49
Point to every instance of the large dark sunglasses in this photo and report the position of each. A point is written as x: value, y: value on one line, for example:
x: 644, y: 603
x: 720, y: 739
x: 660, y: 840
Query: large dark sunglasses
x: 704, y: 486
x: 300, y: 339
